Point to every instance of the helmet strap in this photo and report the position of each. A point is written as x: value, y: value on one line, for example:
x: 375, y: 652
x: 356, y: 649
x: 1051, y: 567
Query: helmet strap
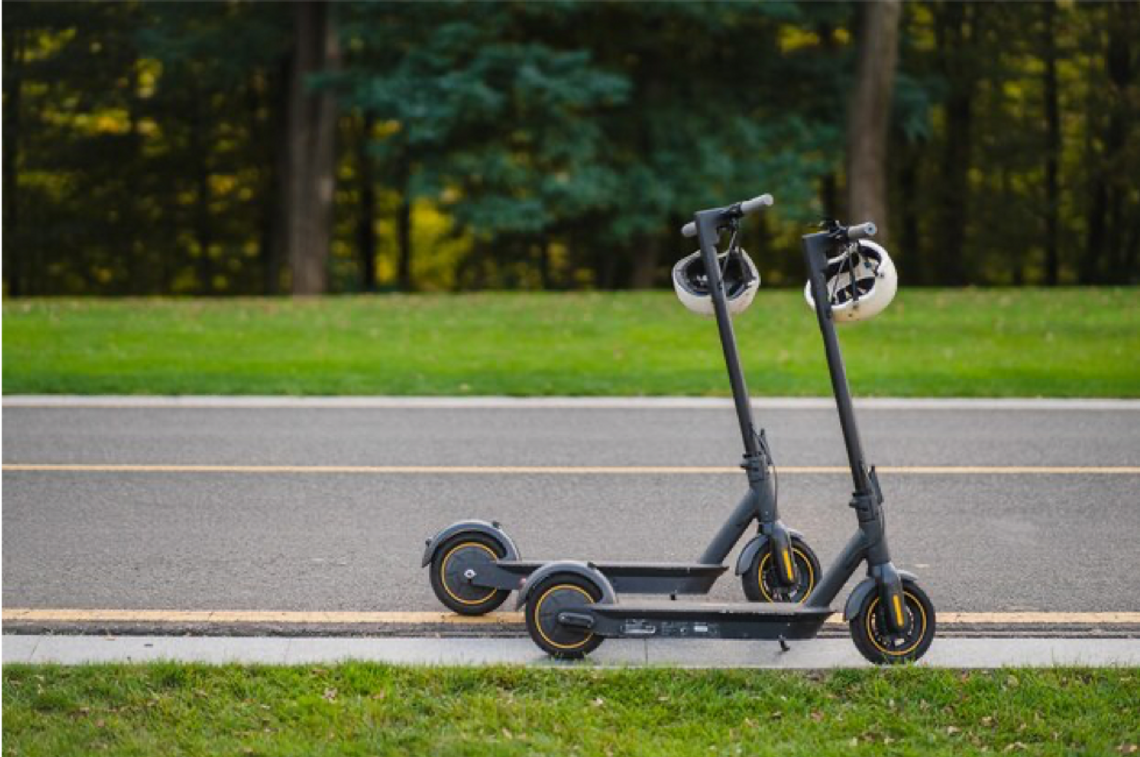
x: 734, y: 250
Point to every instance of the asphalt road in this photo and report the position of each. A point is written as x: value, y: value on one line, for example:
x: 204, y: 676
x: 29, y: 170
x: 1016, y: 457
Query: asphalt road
x: 302, y: 541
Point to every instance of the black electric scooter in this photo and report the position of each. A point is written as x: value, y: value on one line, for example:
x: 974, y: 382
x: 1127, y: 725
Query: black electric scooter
x: 474, y: 564
x: 572, y: 606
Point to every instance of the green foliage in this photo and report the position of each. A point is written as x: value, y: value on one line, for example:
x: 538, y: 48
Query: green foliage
x: 556, y: 145
x: 369, y: 709
x: 1054, y: 343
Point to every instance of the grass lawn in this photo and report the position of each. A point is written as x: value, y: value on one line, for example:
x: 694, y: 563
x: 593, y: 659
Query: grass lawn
x: 370, y: 709
x: 1031, y: 342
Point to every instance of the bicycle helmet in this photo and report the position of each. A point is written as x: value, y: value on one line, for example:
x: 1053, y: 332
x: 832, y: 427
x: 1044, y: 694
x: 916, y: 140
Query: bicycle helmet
x: 741, y: 280
x: 861, y: 281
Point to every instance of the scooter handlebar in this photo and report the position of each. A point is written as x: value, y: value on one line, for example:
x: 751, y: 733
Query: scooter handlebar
x: 746, y: 208
x: 862, y: 231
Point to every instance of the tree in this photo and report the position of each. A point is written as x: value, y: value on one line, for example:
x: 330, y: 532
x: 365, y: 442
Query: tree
x: 1113, y: 212
x: 1052, y: 143
x: 191, y: 148
x: 311, y: 131
x: 869, y: 115
x: 14, y: 47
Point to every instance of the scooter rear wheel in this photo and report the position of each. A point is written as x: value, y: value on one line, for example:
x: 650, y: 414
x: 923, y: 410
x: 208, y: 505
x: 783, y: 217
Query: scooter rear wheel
x: 873, y: 638
x: 761, y: 582
x: 463, y: 552
x: 560, y: 592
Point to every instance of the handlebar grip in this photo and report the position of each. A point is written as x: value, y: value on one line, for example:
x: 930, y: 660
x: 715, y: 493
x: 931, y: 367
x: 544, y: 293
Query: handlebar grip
x: 862, y: 231
x: 748, y: 207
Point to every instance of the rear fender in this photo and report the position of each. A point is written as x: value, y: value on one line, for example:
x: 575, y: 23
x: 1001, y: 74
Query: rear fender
x: 586, y: 570
x: 477, y: 526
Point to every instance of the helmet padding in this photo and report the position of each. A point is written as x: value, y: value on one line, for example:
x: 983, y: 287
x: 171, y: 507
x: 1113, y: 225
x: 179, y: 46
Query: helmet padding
x: 741, y: 280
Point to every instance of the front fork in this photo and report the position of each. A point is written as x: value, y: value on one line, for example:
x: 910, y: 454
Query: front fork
x: 880, y: 568
x: 779, y: 538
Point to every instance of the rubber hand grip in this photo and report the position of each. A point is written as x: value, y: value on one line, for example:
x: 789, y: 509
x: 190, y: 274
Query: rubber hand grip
x: 862, y: 231
x: 747, y: 208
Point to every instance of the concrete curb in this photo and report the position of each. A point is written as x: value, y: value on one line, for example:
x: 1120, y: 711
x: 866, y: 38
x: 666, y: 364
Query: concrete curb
x: 816, y: 654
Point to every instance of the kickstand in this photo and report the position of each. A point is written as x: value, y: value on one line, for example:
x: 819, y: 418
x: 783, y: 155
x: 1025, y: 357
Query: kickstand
x: 783, y: 644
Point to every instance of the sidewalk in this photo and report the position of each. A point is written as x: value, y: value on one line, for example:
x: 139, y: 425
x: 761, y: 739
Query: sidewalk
x: 815, y: 654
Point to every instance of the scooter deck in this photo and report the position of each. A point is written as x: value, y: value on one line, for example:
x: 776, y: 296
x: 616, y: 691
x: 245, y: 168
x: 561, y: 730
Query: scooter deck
x: 700, y: 620
x: 641, y: 577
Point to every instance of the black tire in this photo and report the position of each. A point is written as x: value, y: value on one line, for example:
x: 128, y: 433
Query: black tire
x: 869, y: 625
x: 761, y: 584
x: 454, y: 556
x: 555, y: 594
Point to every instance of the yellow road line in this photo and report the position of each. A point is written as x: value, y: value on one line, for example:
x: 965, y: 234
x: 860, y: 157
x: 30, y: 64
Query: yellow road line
x: 255, y: 616
x: 221, y: 617
x: 914, y: 470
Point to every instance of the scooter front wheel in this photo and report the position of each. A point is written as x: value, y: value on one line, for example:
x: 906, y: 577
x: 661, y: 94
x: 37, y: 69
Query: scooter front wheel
x: 556, y: 594
x: 762, y: 583
x: 874, y: 639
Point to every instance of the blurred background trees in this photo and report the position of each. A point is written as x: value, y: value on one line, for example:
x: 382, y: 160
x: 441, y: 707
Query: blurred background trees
x: 250, y: 148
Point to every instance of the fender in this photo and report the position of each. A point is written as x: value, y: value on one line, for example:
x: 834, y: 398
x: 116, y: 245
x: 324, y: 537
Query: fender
x: 586, y: 570
x: 865, y: 587
x: 753, y: 547
x: 479, y: 526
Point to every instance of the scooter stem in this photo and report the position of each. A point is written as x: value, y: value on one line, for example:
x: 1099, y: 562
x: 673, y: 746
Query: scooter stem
x: 816, y: 247
x: 707, y: 223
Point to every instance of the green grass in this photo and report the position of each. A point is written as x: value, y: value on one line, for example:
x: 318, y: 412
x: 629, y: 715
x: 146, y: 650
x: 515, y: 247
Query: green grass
x: 1061, y: 343
x: 359, y: 709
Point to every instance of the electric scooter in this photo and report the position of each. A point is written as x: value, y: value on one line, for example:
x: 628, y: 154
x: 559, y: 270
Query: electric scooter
x: 570, y: 606
x: 474, y: 564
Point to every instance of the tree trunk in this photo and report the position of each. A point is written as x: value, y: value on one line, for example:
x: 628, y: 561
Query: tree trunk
x: 1052, y: 146
x: 200, y: 143
x: 1094, y: 234
x: 954, y: 33
x: 544, y: 264
x: 1121, y: 73
x: 645, y: 256
x: 829, y: 197
x: 15, y: 260
x: 1096, y: 191
x: 915, y: 264
x: 605, y: 268
x: 132, y: 204
x: 869, y: 115
x: 365, y: 227
x: 311, y: 130
x: 404, y: 232
x: 270, y: 89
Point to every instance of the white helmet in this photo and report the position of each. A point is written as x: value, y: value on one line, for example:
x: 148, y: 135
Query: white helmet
x: 741, y: 280
x: 861, y: 281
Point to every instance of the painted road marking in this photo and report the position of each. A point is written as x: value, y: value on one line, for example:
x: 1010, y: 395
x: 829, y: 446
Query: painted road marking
x: 559, y: 470
x: 67, y: 615
x: 560, y: 403
x: 563, y: 470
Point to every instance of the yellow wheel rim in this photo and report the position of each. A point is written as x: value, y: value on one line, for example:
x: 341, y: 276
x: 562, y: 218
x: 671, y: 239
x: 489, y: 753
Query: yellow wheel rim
x: 538, y: 611
x: 896, y: 652
x: 807, y: 564
x: 443, y: 572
